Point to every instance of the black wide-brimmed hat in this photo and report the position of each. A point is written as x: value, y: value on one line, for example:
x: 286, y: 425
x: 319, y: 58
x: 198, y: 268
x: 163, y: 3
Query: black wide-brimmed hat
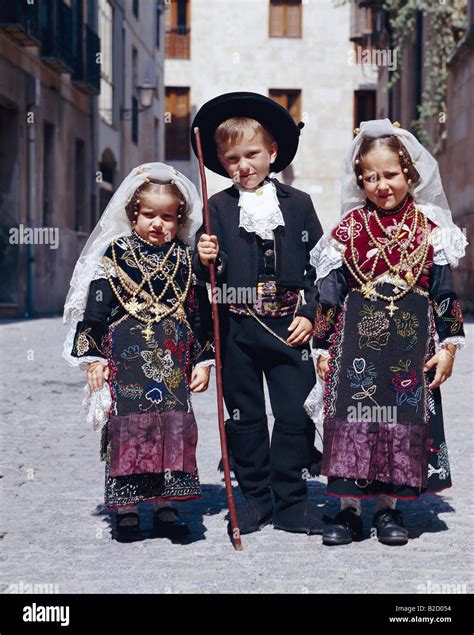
x: 273, y: 117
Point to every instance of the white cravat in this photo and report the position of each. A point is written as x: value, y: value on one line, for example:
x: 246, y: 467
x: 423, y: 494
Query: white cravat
x: 260, y: 210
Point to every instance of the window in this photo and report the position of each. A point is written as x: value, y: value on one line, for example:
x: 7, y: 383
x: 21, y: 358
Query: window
x: 364, y: 106
x: 80, y: 186
x: 106, y: 96
x: 48, y: 175
x: 289, y: 99
x: 178, y: 32
x: 134, y: 95
x: 136, y: 8
x: 177, y: 129
x: 134, y: 119
x: 285, y: 18
x: 107, y: 167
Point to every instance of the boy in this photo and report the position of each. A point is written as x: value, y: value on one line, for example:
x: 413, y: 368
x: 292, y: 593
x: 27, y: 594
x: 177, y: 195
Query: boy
x: 262, y: 235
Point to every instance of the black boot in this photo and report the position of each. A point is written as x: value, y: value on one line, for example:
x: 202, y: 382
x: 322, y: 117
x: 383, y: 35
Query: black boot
x: 390, y: 527
x: 345, y: 527
x: 250, y: 449
x: 290, y: 457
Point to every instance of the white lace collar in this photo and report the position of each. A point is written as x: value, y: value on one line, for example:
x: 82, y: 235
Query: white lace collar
x: 260, y: 210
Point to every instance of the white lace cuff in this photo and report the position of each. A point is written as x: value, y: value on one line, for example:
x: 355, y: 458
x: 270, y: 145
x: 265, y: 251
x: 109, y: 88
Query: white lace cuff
x: 326, y: 256
x: 459, y: 341
x: 207, y: 362
x: 316, y: 352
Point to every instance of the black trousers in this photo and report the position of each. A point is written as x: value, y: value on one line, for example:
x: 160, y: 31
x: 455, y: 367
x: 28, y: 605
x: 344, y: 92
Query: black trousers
x: 250, y: 352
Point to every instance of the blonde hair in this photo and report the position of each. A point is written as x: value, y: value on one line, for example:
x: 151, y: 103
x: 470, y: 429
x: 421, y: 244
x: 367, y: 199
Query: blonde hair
x: 232, y: 131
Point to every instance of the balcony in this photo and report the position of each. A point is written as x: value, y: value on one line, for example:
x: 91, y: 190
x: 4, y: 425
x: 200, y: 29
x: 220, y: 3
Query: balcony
x: 177, y: 43
x: 86, y: 69
x: 368, y: 23
x: 21, y: 21
x: 56, y: 35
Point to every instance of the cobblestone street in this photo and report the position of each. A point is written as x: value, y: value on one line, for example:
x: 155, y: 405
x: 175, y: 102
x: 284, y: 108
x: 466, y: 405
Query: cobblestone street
x: 54, y: 530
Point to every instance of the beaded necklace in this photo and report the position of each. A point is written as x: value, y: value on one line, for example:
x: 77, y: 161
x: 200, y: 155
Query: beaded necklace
x: 157, y: 307
x: 367, y: 282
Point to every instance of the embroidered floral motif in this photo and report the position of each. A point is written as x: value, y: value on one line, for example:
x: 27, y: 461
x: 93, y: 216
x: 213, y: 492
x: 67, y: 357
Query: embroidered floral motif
x: 324, y: 322
x: 158, y: 364
x: 85, y: 342
x: 343, y: 231
x: 443, y: 469
x: 406, y: 384
x: 372, y: 328
x: 130, y: 391
x: 449, y: 317
x: 362, y: 375
x: 132, y: 352
x: 176, y: 348
x: 155, y: 395
x: 82, y: 343
x: 407, y: 326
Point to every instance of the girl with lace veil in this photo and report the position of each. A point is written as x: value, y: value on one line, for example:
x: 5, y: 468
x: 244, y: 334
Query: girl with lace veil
x: 387, y: 330
x: 142, y: 328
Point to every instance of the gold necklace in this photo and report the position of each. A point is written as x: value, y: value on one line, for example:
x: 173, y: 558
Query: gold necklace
x: 132, y: 307
x: 366, y: 282
x: 395, y: 269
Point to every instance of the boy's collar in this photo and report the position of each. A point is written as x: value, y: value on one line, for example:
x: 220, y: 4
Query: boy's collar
x: 280, y: 188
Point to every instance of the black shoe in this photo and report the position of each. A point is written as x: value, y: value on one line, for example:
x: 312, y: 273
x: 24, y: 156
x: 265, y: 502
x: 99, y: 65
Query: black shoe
x: 251, y: 516
x: 302, y: 518
x: 344, y: 528
x: 390, y: 527
x: 176, y: 528
x: 126, y: 531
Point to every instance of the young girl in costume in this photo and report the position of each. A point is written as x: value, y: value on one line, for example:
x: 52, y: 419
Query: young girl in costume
x: 386, y: 294
x: 142, y: 329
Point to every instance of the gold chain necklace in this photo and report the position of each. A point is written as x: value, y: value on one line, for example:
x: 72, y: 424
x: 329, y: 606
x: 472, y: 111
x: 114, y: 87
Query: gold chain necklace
x: 132, y: 307
x: 395, y: 269
x: 366, y: 282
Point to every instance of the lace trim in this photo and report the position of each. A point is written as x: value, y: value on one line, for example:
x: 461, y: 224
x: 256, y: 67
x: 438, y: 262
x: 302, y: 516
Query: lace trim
x: 97, y: 404
x: 316, y: 352
x: 326, y: 256
x: 260, y: 213
x: 459, y: 341
x: 207, y: 362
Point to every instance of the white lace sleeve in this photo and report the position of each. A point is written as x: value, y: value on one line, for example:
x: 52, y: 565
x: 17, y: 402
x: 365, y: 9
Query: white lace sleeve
x: 436, y: 239
x: 103, y: 267
x: 326, y: 255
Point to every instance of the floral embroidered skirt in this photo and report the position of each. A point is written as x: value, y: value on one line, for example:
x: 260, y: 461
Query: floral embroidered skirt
x: 149, y: 443
x: 383, y: 426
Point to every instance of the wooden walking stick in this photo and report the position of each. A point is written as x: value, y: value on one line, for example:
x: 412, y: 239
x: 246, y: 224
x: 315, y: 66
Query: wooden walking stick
x: 217, y: 343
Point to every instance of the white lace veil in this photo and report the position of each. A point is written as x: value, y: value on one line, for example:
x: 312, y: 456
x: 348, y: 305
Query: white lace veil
x: 114, y: 223
x: 428, y: 194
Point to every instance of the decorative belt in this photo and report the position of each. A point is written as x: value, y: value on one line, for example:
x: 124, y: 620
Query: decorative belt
x: 272, y: 301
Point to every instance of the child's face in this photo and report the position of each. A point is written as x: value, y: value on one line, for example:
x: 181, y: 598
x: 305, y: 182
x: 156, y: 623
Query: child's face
x: 248, y: 161
x: 157, y: 220
x: 384, y: 182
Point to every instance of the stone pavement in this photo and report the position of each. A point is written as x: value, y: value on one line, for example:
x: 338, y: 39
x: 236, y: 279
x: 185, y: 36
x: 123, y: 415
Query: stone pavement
x: 55, y: 533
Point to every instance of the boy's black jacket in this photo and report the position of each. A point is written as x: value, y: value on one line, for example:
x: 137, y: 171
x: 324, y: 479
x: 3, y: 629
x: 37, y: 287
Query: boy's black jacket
x: 238, y: 251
